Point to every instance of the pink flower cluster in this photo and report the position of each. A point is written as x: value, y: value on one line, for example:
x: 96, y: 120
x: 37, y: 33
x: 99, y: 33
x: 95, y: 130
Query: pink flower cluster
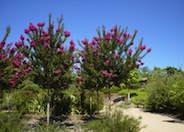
x: 40, y: 24
x: 143, y: 47
x: 66, y: 33
x: 105, y: 73
x: 33, y: 27
x: 80, y: 79
x: 58, y: 71
x: 18, y: 44
x: 61, y: 49
x: 72, y: 45
x: 3, y: 56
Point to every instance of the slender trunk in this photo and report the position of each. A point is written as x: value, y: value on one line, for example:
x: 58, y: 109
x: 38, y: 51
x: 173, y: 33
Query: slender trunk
x: 82, y: 101
x: 9, y: 102
x: 109, y: 98
x: 128, y: 95
x: 1, y: 98
x: 48, y: 107
x: 90, y: 98
x: 98, y: 102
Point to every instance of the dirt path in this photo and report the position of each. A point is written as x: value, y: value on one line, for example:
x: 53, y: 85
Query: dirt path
x: 155, y: 122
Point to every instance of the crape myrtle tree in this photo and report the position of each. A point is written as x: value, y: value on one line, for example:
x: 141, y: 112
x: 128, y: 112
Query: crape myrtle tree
x: 90, y: 75
x: 13, y: 65
x: 50, y: 61
x: 109, y: 58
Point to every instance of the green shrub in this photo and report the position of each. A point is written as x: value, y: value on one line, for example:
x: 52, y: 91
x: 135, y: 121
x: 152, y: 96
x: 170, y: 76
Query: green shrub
x: 61, y: 104
x: 20, y: 100
x: 158, y: 98
x: 96, y: 104
x: 37, y: 104
x: 113, y: 89
x: 11, y: 122
x: 27, y: 98
x: 177, y: 95
x: 114, y: 122
x: 53, y: 127
x: 166, y: 94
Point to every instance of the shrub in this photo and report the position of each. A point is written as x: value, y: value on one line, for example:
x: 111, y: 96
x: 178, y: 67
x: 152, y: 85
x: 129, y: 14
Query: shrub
x: 20, y: 100
x: 96, y: 104
x: 11, y: 122
x: 114, y: 122
x: 61, y: 104
x: 113, y: 89
x: 158, y: 98
x: 38, y: 103
x: 53, y: 127
x: 177, y: 95
x: 27, y: 98
x: 166, y: 94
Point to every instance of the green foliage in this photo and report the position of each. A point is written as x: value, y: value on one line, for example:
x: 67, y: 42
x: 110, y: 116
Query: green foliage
x: 133, y: 79
x: 114, y: 122
x: 53, y: 127
x: 113, y: 89
x: 38, y: 103
x: 97, y: 102
x: 20, y: 100
x: 177, y: 95
x: 61, y: 104
x: 50, y: 61
x: 28, y: 98
x: 166, y: 94
x: 11, y: 122
x: 138, y: 96
x: 159, y: 95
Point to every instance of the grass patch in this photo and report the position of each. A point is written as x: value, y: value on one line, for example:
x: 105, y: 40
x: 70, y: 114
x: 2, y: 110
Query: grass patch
x: 138, y: 96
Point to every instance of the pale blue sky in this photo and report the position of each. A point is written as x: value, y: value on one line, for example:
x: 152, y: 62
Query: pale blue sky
x: 160, y: 22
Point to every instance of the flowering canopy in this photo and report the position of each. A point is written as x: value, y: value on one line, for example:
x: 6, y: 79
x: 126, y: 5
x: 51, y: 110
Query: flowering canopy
x: 12, y: 62
x: 111, y: 55
x: 50, y: 61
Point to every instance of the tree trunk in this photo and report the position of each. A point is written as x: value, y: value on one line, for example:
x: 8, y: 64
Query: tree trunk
x: 48, y: 107
x: 90, y: 99
x: 82, y: 95
x: 109, y: 98
x: 128, y: 95
x: 1, y: 98
x: 98, y: 102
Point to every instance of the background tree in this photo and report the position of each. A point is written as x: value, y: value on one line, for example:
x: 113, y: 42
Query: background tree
x: 13, y: 66
x: 49, y: 60
x: 172, y: 70
x: 133, y: 80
